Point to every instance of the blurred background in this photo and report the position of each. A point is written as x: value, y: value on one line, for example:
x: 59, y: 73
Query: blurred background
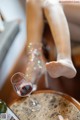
x: 13, y: 37
x: 13, y: 54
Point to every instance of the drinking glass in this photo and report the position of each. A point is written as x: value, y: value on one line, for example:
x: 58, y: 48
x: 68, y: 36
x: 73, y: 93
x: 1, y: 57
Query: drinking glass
x: 21, y: 87
x: 24, y: 88
x: 25, y: 84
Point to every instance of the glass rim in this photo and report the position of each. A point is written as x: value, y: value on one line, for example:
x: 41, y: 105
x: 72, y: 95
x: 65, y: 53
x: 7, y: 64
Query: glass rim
x: 20, y: 73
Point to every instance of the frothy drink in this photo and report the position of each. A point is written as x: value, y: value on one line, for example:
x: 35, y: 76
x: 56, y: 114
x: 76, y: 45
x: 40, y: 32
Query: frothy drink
x: 53, y: 107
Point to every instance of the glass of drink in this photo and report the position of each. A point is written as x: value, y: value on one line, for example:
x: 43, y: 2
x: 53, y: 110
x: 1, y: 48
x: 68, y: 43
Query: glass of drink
x: 21, y: 86
x: 25, y: 84
x: 24, y: 88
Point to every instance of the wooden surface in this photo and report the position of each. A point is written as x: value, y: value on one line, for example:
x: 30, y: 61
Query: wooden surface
x: 49, y: 105
x: 69, y: 86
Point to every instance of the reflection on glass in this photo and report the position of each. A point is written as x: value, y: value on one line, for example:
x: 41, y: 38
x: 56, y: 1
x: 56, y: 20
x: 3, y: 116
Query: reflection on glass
x: 25, y: 84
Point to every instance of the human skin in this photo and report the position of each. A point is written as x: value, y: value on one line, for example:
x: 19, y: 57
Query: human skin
x: 60, y: 30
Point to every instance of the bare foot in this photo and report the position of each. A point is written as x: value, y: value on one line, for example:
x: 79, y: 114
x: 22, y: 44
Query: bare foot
x: 61, y: 68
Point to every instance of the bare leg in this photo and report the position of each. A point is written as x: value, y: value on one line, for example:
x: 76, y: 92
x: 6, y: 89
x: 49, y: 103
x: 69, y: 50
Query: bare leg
x: 34, y: 38
x: 34, y: 22
x: 60, y: 31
